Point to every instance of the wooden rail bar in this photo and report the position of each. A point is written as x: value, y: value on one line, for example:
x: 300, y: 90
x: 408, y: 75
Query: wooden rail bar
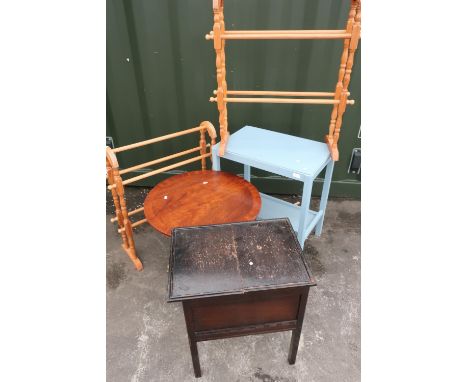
x: 136, y: 224
x: 285, y: 100
x: 285, y: 36
x: 155, y: 172
x: 131, y: 213
x: 298, y: 31
x: 279, y: 93
x: 156, y: 161
x: 159, y: 139
x: 210, y: 35
x: 256, y: 35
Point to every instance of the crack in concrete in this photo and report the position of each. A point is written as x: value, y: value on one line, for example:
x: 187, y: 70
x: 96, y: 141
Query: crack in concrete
x: 143, y: 346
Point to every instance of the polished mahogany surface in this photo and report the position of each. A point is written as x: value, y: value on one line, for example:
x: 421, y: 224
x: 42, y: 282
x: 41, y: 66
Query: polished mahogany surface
x: 235, y: 259
x: 201, y: 198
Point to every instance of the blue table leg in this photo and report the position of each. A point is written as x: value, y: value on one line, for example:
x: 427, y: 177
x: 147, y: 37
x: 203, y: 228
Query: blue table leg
x: 216, y: 165
x: 247, y: 172
x: 324, y: 197
x: 306, y: 195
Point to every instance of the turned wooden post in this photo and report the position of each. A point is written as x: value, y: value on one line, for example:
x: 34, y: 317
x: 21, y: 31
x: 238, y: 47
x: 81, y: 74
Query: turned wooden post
x: 219, y: 43
x: 125, y: 225
x: 115, y: 197
x: 210, y: 129
x: 203, y: 149
x: 347, y: 77
x: 344, y: 76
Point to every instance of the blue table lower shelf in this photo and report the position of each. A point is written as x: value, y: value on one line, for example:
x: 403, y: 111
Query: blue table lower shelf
x: 274, y: 208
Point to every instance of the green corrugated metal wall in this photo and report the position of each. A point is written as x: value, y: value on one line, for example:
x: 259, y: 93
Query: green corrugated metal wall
x: 161, y: 73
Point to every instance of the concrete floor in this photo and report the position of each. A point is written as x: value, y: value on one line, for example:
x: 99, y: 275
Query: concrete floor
x: 146, y: 337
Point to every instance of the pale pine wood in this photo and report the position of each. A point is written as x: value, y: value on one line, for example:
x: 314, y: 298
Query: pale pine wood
x: 218, y: 4
x: 279, y: 93
x: 111, y: 163
x: 313, y: 101
x: 355, y: 13
x: 339, y: 85
x: 136, y: 224
x: 139, y: 222
x: 116, y: 184
x: 331, y: 129
x: 158, y: 139
x: 340, y: 100
x: 333, y: 149
x: 130, y: 213
x: 297, y: 31
x: 218, y: 30
x: 118, y: 197
x: 281, y: 35
x: 205, y: 127
x: 156, y: 172
x: 203, y: 149
x: 127, y: 225
x: 353, y: 27
x: 163, y: 159
x: 210, y: 129
x: 284, y: 36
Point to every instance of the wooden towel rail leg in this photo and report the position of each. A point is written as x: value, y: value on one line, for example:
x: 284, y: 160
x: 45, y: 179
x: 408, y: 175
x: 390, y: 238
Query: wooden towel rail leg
x: 219, y: 43
x: 210, y: 129
x: 344, y: 76
x: 125, y: 226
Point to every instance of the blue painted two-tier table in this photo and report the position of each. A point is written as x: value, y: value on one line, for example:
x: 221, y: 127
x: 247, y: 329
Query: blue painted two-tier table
x: 286, y: 155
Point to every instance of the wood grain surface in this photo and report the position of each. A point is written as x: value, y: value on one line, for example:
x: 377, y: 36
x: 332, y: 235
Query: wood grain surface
x: 201, y: 198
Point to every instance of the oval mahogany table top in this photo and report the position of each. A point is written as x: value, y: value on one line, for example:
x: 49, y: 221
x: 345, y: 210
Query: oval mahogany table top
x: 201, y: 198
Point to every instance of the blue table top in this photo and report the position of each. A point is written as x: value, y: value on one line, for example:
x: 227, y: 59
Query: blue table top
x: 269, y: 150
